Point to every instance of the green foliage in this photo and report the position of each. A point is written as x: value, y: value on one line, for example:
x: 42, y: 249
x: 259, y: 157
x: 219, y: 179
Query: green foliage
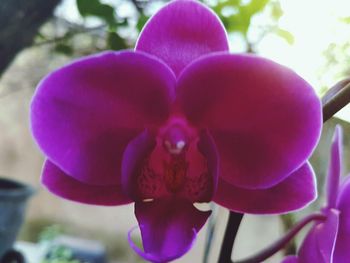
x: 60, y: 254
x: 240, y: 20
x: 222, y: 4
x: 141, y: 21
x: 255, y: 6
x: 276, y: 10
x: 63, y: 48
x: 50, y: 233
x: 345, y: 20
x: 115, y: 42
x: 236, y: 15
x: 96, y: 8
x: 286, y: 35
x: 337, y: 64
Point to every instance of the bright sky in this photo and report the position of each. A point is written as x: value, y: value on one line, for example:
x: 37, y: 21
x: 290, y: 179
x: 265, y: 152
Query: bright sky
x: 315, y: 24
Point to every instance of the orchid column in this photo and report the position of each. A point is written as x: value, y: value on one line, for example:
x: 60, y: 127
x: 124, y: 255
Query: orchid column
x: 179, y: 120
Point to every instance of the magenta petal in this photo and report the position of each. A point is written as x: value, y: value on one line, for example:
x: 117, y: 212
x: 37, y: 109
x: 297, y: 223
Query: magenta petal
x: 295, y: 192
x: 63, y: 185
x: 168, y: 227
x: 318, y: 246
x: 181, y: 32
x: 342, y: 247
x: 334, y: 168
x: 207, y: 147
x: 84, y: 114
x: 290, y: 259
x: 133, y: 160
x: 264, y: 118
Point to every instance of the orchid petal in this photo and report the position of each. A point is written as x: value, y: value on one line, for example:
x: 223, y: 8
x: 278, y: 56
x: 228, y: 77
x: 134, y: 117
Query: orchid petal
x: 342, y: 251
x: 134, y: 156
x: 202, y: 172
x: 84, y: 114
x: 295, y: 192
x: 334, y: 168
x: 168, y: 228
x: 245, y: 102
x: 181, y: 32
x: 65, y: 186
x: 318, y: 246
x: 207, y: 147
x: 290, y: 259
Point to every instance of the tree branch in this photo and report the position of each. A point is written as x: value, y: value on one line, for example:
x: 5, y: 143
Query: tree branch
x: 20, y: 21
x: 69, y: 35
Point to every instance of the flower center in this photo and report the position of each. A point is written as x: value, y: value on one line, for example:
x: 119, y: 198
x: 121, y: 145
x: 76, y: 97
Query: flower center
x: 175, y: 166
x: 175, y: 172
x: 175, y: 143
x: 175, y: 140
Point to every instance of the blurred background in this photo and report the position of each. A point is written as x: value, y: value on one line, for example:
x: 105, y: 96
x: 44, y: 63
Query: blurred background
x: 37, y: 36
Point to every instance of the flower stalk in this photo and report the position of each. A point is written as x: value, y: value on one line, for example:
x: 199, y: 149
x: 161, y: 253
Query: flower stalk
x: 279, y: 244
x: 233, y: 223
x: 336, y: 98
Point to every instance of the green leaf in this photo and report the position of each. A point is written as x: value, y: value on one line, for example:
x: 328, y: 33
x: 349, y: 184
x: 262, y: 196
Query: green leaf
x: 115, y: 42
x: 141, y: 22
x: 40, y: 36
x: 286, y: 35
x: 63, y: 48
x: 225, y: 3
x: 256, y: 6
x: 238, y: 23
x: 97, y: 9
x: 123, y: 22
x: 50, y: 233
x: 276, y: 10
x: 345, y: 20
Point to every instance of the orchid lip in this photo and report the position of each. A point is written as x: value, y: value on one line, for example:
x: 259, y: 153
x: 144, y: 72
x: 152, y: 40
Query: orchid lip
x: 175, y: 172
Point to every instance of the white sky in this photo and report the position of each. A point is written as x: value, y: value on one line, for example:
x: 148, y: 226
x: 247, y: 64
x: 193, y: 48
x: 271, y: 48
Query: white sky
x: 315, y: 24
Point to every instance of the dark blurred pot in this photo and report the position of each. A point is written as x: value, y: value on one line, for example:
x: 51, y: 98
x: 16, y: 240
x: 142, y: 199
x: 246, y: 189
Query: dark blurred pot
x: 13, y: 200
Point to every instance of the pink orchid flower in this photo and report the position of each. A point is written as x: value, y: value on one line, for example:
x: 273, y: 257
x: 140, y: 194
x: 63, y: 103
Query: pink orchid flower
x: 329, y: 241
x: 177, y: 121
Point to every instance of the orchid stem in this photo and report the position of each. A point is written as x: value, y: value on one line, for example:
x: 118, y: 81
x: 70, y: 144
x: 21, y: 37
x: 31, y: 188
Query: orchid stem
x: 279, y: 244
x: 210, y: 233
x: 233, y: 223
x: 288, y: 222
x: 336, y: 98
